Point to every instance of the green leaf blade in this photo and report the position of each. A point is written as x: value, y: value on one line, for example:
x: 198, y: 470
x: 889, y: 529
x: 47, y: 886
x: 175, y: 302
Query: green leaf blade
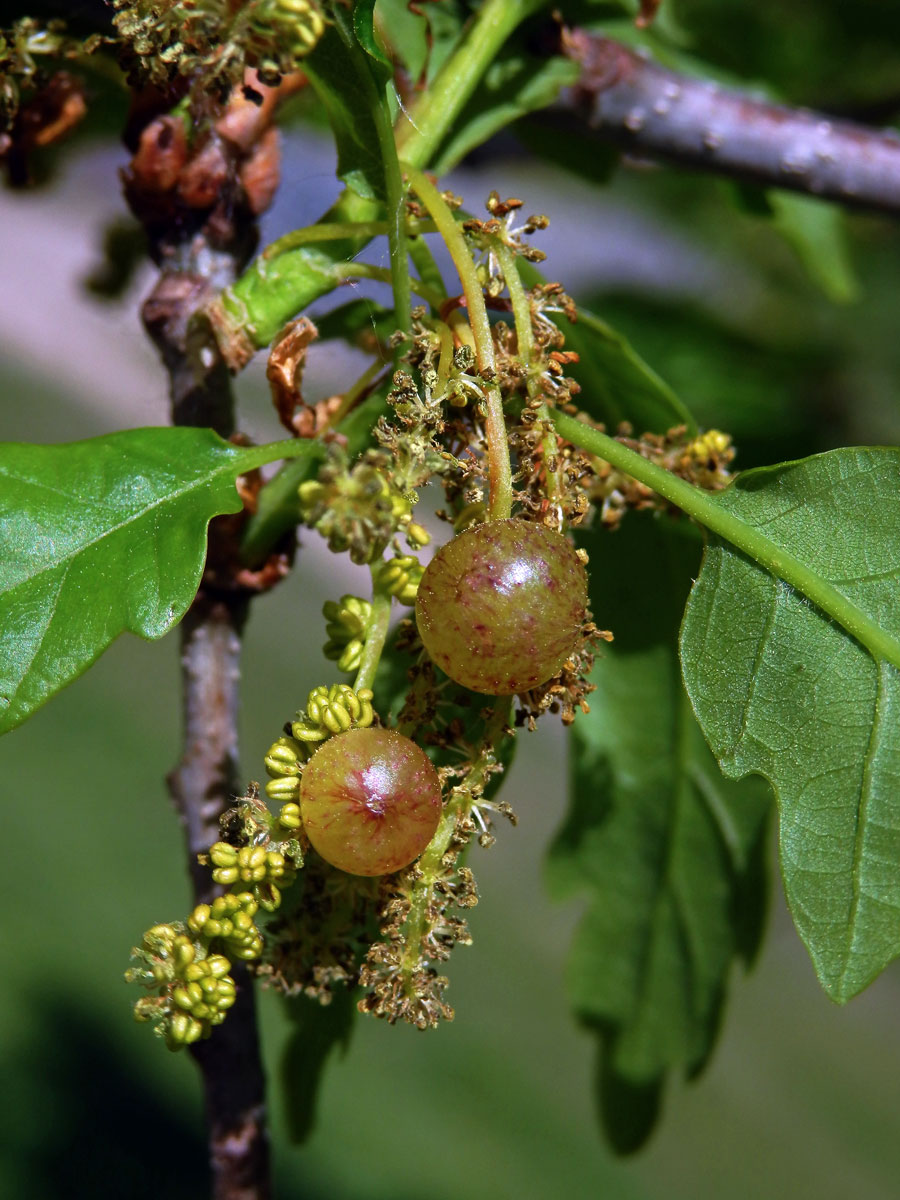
x: 98, y: 538
x: 516, y: 83
x: 783, y: 691
x: 349, y: 80
x: 667, y: 850
x: 616, y: 383
x: 364, y: 29
x: 817, y: 231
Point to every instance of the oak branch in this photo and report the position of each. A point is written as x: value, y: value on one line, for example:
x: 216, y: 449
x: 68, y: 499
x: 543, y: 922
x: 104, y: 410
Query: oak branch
x: 653, y: 112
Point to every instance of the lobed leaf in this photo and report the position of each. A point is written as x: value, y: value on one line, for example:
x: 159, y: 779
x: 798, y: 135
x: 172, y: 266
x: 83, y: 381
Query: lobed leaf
x: 364, y: 31
x: 783, y: 689
x: 98, y: 537
x: 817, y: 231
x: 318, y: 1033
x: 667, y: 850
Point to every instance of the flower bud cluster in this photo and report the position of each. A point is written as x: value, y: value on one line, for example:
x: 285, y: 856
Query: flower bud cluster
x: 347, y: 622
x: 355, y: 508
x: 193, y: 990
x: 284, y: 763
x: 229, y: 919
x: 400, y: 577
x: 329, y: 710
x: 190, y: 986
x: 265, y: 871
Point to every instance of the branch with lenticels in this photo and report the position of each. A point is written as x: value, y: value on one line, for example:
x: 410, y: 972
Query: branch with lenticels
x: 648, y: 110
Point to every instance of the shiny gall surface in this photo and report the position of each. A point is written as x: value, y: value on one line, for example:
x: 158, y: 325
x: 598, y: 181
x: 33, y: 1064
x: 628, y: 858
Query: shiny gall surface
x: 500, y: 607
x: 370, y: 801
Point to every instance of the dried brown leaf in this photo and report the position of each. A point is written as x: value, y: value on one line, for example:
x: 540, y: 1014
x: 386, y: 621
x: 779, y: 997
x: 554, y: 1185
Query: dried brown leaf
x: 284, y: 372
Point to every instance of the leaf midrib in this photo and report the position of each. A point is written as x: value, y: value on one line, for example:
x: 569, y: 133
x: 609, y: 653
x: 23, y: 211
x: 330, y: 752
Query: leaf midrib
x: 747, y: 538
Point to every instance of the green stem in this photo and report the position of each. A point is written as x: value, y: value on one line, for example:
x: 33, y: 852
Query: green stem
x: 449, y: 229
x: 525, y: 338
x: 431, y: 866
x: 708, y: 511
x: 499, y: 468
x: 445, y: 361
x: 420, y: 133
x: 339, y: 231
x: 519, y: 300
x: 395, y: 199
x: 252, y: 457
x: 362, y: 270
x: 423, y: 261
x: 273, y: 290
x: 325, y: 231
x: 376, y: 636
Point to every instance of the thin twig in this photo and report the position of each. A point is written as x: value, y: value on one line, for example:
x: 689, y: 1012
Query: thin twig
x: 657, y: 113
x: 203, y: 785
x: 201, y: 250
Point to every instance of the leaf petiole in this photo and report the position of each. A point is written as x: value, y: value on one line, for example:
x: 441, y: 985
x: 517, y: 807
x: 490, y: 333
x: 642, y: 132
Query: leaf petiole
x: 335, y: 231
x: 709, y: 512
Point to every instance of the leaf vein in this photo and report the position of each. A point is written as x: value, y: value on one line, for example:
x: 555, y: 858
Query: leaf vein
x: 865, y: 795
x: 112, y: 530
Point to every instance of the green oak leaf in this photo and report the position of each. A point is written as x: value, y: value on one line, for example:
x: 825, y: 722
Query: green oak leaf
x: 516, y: 83
x: 349, y: 80
x: 423, y: 37
x: 616, y: 383
x: 318, y: 1033
x: 408, y: 32
x: 817, y: 231
x: 783, y: 688
x: 99, y: 537
x: 668, y: 851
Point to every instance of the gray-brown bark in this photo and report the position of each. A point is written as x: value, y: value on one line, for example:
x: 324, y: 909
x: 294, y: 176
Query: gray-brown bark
x: 200, y: 221
x: 653, y: 112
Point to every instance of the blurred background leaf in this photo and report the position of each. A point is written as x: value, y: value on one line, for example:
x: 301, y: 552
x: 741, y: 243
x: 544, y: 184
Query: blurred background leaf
x: 669, y: 852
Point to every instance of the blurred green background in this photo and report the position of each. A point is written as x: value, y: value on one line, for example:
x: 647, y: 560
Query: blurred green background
x: 734, y: 304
